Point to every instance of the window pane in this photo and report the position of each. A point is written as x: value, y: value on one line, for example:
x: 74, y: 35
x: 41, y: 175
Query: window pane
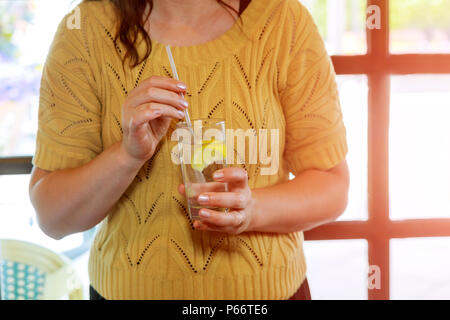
x: 337, y: 270
x: 420, y: 147
x: 18, y: 222
x: 420, y: 268
x: 25, y: 36
x: 342, y: 23
x: 18, y: 219
x: 420, y: 26
x: 353, y: 92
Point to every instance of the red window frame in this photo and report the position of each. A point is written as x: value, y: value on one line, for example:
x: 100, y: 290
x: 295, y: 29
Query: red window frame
x: 379, y: 65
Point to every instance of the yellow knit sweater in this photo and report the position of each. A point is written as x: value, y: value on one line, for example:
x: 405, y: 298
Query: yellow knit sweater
x: 270, y: 72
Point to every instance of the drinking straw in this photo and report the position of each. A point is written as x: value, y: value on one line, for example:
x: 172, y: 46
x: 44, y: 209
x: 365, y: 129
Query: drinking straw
x: 175, y: 75
x: 199, y: 178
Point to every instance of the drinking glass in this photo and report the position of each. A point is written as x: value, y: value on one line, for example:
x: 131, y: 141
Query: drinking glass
x: 202, y: 151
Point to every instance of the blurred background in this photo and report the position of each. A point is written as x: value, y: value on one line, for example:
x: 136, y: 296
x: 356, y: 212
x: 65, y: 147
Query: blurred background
x: 416, y: 170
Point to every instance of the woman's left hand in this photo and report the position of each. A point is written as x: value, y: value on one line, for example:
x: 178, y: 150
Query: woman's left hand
x: 238, y: 200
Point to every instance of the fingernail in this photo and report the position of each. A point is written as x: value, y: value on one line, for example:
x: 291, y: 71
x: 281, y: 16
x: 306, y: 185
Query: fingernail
x: 181, y: 86
x: 185, y: 103
x: 203, y: 198
x: 205, y: 214
x: 181, y: 113
x: 218, y: 175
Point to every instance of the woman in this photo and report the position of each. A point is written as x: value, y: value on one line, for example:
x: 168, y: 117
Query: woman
x: 108, y: 106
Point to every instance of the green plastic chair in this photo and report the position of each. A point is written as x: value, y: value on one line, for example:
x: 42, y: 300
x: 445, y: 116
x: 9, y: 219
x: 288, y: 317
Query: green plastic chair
x: 32, y: 272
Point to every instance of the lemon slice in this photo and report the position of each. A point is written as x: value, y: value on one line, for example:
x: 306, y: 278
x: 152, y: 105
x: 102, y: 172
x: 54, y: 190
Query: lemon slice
x: 210, y: 152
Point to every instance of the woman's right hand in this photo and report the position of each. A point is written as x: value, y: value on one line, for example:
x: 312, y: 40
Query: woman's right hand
x: 147, y: 113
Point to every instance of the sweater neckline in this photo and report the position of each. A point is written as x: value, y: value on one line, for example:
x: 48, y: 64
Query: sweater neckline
x: 219, y: 48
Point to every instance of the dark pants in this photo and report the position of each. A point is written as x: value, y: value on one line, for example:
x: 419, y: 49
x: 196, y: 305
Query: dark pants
x: 302, y: 293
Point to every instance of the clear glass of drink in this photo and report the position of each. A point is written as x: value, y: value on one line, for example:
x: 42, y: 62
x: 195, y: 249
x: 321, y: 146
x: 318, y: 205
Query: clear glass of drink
x: 202, y: 151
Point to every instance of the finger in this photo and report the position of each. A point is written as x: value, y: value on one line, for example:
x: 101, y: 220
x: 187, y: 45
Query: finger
x: 182, y: 189
x: 148, y: 112
x: 219, y: 219
x: 141, y: 117
x: 195, y: 189
x: 199, y: 225
x: 234, y: 175
x: 164, y: 110
x: 199, y: 188
x: 164, y: 83
x: 235, y: 200
x: 158, y: 95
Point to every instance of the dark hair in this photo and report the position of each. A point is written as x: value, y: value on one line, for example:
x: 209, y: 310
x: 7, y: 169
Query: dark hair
x: 131, y: 26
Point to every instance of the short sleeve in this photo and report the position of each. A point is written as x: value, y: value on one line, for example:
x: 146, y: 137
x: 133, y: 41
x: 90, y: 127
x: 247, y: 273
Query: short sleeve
x: 315, y: 132
x: 69, y: 130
